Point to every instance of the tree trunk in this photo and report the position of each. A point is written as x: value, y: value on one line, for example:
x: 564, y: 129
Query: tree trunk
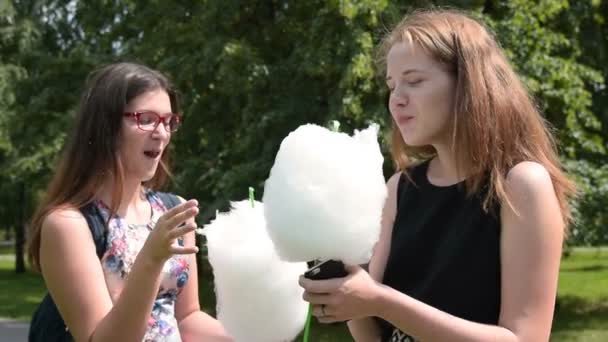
x: 20, y: 231
x: 7, y: 233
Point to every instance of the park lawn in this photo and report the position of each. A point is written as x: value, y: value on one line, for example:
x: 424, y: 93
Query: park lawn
x: 7, y: 249
x: 20, y: 294
x: 582, y: 313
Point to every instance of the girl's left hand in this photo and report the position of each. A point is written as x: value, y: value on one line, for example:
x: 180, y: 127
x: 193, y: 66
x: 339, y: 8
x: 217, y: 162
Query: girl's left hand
x: 342, y: 299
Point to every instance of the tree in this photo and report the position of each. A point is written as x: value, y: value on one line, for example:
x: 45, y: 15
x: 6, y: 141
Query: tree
x: 16, y: 36
x: 251, y: 72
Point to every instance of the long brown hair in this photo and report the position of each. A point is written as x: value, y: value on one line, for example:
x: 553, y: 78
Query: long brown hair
x: 495, y: 122
x: 89, y: 158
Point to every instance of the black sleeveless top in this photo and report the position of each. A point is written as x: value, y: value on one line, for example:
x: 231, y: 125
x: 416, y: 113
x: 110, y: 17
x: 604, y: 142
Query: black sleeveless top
x: 445, y: 251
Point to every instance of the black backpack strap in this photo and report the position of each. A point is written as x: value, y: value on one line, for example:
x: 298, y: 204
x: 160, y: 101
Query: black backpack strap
x: 97, y: 226
x: 168, y: 199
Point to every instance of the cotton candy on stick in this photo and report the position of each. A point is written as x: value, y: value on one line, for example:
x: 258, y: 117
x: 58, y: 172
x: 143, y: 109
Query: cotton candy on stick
x: 258, y: 297
x: 325, y: 194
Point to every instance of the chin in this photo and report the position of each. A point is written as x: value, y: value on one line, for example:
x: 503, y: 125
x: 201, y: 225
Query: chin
x: 413, y: 141
x: 148, y: 176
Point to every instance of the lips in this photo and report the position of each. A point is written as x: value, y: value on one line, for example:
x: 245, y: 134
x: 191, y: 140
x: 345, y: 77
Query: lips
x: 402, y: 120
x: 152, y: 153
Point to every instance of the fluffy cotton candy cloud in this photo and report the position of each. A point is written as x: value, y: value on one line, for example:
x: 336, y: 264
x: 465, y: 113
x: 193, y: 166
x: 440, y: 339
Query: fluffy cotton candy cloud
x: 325, y: 194
x: 258, y: 296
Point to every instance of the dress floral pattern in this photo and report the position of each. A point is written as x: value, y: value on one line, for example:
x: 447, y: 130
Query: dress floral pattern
x: 124, y: 243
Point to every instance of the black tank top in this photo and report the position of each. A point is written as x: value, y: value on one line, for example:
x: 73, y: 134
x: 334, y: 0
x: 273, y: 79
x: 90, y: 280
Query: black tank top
x: 445, y: 251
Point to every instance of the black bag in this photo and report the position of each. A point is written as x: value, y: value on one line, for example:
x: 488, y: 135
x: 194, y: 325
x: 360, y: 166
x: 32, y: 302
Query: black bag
x: 46, y: 324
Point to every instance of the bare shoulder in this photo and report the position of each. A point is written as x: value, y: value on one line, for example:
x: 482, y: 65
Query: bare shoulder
x: 63, y: 230
x: 64, y: 220
x: 529, y: 178
x: 534, y: 203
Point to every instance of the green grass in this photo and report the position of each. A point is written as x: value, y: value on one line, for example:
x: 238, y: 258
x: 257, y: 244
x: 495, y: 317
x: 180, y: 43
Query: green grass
x: 21, y: 293
x: 581, y: 315
x: 7, y: 249
x: 582, y: 312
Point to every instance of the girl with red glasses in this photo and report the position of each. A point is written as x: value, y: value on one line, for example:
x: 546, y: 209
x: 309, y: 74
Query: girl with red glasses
x: 117, y: 255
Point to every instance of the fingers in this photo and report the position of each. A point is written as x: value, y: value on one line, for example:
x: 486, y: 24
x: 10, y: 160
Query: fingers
x: 175, y: 234
x: 180, y: 217
x: 315, y: 298
x: 183, y: 249
x: 352, y: 268
x: 321, y: 310
x: 179, y: 209
x: 324, y: 314
x: 182, y: 230
x: 320, y: 286
x: 328, y: 319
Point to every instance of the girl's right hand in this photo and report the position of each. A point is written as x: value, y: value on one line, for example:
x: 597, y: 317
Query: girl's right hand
x: 176, y: 222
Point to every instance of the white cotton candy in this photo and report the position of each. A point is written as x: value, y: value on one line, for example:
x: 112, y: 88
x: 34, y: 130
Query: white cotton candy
x: 325, y: 194
x: 258, y: 296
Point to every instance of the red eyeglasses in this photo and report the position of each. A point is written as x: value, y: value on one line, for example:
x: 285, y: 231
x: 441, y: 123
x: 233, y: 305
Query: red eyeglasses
x: 148, y: 120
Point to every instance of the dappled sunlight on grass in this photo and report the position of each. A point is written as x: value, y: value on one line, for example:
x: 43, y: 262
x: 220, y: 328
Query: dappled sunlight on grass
x: 581, y: 314
x: 21, y: 293
x: 582, y: 309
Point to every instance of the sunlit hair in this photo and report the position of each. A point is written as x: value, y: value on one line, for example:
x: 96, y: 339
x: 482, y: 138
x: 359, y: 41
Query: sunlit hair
x: 90, y: 156
x: 495, y: 123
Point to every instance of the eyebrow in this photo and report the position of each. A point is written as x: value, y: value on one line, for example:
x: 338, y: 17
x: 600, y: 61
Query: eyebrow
x: 153, y: 111
x: 405, y: 73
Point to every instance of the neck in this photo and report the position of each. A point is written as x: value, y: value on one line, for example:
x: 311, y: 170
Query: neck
x: 131, y: 202
x: 443, y: 169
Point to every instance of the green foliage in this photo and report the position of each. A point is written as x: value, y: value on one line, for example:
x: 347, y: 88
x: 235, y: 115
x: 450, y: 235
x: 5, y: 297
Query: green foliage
x: 251, y: 72
x: 548, y: 61
x: 544, y: 41
x: 591, y: 226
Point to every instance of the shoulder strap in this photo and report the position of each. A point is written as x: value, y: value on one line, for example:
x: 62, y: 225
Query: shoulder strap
x: 47, y: 324
x: 97, y: 226
x: 168, y: 199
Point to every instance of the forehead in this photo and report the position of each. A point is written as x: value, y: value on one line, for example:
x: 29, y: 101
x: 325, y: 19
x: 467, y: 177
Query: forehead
x: 404, y: 56
x: 155, y: 100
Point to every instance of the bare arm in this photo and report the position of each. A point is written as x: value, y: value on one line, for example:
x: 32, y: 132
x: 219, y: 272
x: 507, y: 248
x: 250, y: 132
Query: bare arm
x: 366, y: 329
x: 194, y: 324
x: 74, y: 277
x: 531, y: 242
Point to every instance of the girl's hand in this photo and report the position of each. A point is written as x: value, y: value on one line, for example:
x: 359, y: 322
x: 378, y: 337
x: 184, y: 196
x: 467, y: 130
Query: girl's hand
x: 342, y: 299
x: 175, y: 223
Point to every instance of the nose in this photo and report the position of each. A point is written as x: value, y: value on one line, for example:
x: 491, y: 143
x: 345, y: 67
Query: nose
x: 161, y: 132
x: 398, y: 99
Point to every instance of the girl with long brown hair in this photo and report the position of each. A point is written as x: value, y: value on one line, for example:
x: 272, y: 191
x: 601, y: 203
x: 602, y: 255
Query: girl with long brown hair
x: 135, y: 278
x: 473, y: 226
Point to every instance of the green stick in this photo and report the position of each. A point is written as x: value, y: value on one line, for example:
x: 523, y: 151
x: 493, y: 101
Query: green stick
x: 335, y: 125
x: 308, y: 321
x: 251, y: 196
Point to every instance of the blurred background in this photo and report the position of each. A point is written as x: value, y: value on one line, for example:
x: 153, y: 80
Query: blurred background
x: 249, y: 72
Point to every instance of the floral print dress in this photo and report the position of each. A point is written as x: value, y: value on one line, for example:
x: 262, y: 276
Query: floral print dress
x: 124, y: 243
